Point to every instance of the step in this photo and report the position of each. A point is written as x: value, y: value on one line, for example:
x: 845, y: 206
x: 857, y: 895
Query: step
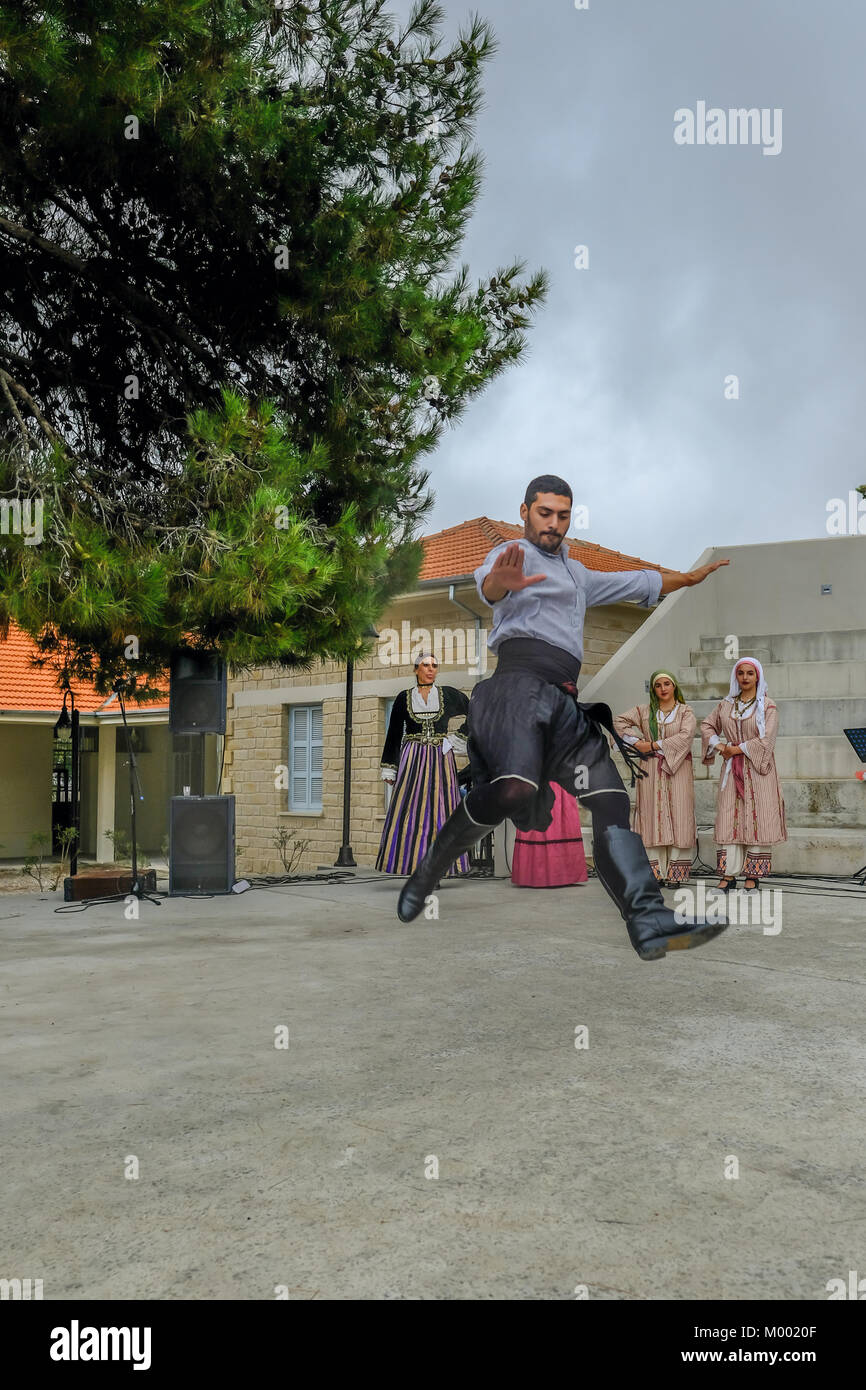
x: 808, y: 851
x: 808, y: 718
x: 815, y: 804
x: 816, y: 758
x: 847, y: 645
x: 809, y: 801
x: 806, y: 679
x: 715, y: 656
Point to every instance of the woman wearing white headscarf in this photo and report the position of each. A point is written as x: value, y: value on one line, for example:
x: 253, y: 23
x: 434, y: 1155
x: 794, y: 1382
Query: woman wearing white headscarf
x: 750, y: 814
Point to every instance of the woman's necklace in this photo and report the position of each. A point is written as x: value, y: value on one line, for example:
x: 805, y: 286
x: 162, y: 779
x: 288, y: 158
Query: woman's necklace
x: 741, y: 706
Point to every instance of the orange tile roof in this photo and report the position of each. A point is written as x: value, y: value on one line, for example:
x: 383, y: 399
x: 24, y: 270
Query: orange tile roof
x: 27, y: 687
x: 460, y: 549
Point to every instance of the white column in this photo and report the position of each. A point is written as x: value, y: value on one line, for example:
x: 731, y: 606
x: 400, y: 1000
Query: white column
x: 105, y: 793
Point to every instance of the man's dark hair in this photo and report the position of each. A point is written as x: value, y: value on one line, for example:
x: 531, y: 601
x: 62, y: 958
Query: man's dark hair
x: 548, y: 482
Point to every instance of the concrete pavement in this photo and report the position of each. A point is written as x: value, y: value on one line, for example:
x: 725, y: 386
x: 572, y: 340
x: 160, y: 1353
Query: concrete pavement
x: 444, y: 1046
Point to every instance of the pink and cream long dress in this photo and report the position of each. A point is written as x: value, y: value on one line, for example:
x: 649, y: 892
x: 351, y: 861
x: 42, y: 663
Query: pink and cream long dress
x: 555, y: 857
x: 664, y: 814
x: 750, y: 812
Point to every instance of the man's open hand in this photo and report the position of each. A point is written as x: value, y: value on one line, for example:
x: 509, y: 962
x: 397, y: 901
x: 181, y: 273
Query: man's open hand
x: 506, y: 575
x: 672, y: 579
x: 698, y: 576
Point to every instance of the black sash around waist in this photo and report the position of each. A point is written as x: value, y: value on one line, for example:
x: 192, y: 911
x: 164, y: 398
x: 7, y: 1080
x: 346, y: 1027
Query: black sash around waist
x: 551, y: 663
x: 562, y: 669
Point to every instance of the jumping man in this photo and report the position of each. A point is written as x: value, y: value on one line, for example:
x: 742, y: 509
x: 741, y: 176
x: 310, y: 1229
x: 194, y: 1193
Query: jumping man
x: 527, y: 729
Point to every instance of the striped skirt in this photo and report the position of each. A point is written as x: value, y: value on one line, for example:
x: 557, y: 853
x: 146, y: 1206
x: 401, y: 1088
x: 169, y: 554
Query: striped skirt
x: 424, y: 795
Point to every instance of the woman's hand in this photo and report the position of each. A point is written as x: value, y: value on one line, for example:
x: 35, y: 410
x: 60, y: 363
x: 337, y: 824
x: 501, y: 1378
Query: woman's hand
x: 643, y: 745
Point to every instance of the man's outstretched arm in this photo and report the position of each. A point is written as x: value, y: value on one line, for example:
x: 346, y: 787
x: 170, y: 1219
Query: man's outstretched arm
x: 672, y: 579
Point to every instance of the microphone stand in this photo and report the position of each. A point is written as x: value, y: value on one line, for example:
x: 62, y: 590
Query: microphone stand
x: 137, y: 890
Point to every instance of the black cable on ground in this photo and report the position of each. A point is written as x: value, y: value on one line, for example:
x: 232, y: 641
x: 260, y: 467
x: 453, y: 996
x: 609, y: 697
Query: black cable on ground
x: 343, y: 876
x: 85, y: 903
x: 262, y: 881
x: 290, y: 880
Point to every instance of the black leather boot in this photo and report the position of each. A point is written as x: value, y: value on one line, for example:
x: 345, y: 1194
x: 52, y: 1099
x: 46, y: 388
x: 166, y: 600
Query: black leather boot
x: 459, y: 833
x: 624, y: 870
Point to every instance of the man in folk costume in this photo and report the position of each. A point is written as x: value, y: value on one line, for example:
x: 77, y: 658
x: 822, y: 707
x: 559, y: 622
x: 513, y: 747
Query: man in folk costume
x: 750, y: 814
x: 664, y: 814
x: 527, y: 728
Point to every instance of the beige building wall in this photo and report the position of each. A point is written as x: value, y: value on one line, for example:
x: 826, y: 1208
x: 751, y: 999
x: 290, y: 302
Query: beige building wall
x: 257, y: 737
x: 604, y: 633
x: 26, y: 756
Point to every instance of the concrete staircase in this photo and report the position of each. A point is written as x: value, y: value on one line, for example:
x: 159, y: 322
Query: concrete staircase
x: 818, y: 681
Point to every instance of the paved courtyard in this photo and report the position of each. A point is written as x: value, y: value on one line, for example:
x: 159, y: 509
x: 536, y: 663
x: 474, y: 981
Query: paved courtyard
x: 447, y: 1045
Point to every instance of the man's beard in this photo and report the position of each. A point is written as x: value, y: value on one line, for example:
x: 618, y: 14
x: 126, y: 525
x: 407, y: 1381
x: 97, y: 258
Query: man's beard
x: 547, y: 542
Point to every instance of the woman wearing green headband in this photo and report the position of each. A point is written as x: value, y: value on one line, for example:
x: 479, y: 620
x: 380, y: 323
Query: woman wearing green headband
x: 665, y: 802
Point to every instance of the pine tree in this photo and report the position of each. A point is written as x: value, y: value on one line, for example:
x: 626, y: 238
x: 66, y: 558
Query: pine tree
x: 231, y: 323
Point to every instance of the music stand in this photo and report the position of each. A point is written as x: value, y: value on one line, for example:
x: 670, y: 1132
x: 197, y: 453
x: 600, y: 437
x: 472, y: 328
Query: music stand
x: 857, y: 740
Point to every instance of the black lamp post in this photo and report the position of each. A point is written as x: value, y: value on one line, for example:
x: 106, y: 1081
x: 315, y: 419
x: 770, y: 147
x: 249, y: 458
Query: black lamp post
x: 67, y: 727
x: 346, y: 859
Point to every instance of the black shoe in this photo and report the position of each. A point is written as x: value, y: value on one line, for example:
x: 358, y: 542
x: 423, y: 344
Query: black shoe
x: 624, y: 870
x: 726, y: 884
x: 459, y: 833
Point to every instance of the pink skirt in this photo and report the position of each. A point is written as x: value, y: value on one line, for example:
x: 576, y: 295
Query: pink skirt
x: 551, y: 858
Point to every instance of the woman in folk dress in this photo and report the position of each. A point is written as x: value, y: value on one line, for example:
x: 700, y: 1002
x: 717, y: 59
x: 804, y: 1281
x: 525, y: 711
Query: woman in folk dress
x: 750, y: 814
x: 665, y: 799
x: 418, y: 760
x: 552, y: 858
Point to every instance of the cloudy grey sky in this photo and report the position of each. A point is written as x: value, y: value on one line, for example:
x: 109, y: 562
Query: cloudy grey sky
x: 704, y: 261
